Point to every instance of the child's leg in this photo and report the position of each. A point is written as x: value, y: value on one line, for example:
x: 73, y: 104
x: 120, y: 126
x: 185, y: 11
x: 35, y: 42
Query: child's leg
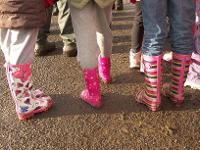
x: 136, y: 37
x: 84, y: 23
x: 104, y: 40
x: 182, y: 18
x: 154, y: 14
x: 15, y: 47
x: 104, y: 32
x: 18, y: 47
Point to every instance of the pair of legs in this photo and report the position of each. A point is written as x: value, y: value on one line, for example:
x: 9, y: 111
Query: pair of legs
x: 94, y: 41
x: 18, y: 48
x: 181, y: 15
x: 66, y: 31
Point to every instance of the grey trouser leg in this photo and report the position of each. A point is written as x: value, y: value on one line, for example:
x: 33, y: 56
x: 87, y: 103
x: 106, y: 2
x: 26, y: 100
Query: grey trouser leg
x: 64, y: 22
x: 18, y: 45
x: 91, y: 24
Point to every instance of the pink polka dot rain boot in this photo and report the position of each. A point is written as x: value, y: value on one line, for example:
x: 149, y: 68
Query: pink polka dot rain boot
x: 91, y: 93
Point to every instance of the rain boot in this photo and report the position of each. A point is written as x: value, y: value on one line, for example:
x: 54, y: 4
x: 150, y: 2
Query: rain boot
x: 150, y: 96
x: 104, y: 66
x: 91, y: 93
x: 179, y: 68
x: 20, y: 83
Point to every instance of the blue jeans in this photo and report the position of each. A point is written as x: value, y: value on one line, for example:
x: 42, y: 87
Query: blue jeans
x: 181, y: 15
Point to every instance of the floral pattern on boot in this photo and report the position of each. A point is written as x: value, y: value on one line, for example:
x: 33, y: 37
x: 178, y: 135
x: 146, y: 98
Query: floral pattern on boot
x: 19, y: 78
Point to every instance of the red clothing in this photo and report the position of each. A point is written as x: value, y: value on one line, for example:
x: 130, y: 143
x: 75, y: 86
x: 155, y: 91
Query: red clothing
x: 133, y: 1
x: 49, y: 3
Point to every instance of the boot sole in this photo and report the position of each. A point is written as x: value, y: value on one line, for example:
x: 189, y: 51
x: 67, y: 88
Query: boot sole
x: 94, y: 106
x: 31, y: 114
x: 139, y: 97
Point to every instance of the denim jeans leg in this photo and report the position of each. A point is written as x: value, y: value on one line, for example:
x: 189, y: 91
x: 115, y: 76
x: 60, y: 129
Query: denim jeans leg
x: 154, y: 18
x: 182, y: 17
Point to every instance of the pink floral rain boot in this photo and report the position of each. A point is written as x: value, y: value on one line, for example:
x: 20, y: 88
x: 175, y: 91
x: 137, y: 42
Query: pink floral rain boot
x: 27, y: 102
x: 104, y: 66
x: 150, y: 96
x: 91, y: 93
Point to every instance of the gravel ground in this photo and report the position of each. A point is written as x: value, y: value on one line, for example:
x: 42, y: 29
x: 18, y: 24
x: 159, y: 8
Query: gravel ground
x: 121, y: 124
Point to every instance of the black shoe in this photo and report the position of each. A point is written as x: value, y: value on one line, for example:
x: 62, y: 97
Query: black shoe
x: 42, y: 49
x: 70, y: 49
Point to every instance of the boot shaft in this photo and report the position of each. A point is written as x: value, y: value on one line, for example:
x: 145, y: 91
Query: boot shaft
x: 104, y: 66
x: 19, y: 79
x: 26, y: 101
x: 179, y: 69
x: 150, y: 95
x: 152, y: 70
x: 91, y: 93
x: 91, y: 78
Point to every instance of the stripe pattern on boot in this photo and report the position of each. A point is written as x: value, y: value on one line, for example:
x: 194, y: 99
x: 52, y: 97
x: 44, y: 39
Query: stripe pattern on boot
x: 179, y: 69
x: 150, y: 96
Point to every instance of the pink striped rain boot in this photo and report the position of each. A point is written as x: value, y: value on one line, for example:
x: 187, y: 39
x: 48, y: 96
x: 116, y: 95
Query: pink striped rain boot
x: 104, y: 66
x: 150, y: 96
x: 20, y: 83
x: 91, y: 93
x: 179, y: 68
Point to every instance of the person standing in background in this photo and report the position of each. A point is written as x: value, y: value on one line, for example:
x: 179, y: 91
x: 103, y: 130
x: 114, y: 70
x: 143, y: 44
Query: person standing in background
x: 43, y: 47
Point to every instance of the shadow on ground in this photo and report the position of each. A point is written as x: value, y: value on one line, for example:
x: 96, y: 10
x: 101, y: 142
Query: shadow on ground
x: 65, y: 105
